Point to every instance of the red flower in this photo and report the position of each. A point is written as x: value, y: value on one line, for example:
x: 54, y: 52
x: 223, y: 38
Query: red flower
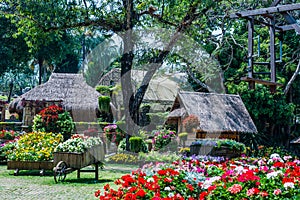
x: 190, y: 187
x: 203, y: 195
x: 211, y: 188
x: 141, y: 193
x: 97, y: 193
x: 278, y: 164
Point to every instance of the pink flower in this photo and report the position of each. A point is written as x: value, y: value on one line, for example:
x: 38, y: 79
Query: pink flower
x: 264, y: 194
x: 277, y: 192
x: 235, y: 188
x: 252, y: 191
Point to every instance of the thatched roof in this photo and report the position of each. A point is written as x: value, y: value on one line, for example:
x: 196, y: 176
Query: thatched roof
x: 70, y: 89
x: 160, y: 89
x: 216, y: 112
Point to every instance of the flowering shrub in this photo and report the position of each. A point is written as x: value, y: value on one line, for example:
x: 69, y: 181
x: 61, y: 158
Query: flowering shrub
x: 78, y: 144
x: 193, y: 178
x: 123, y: 158
x: 8, y: 135
x: 114, y: 134
x: 54, y: 119
x: 36, y: 146
x: 162, y: 138
x: 220, y: 143
x: 191, y: 122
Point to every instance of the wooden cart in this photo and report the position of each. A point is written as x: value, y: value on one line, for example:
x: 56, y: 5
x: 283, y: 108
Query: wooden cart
x: 67, y: 162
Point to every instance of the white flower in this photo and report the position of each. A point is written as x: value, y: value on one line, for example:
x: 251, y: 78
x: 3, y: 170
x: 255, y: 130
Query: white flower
x: 252, y: 167
x: 287, y: 157
x: 275, y: 155
x: 208, y: 182
x: 167, y: 189
x: 150, y: 179
x: 289, y: 185
x: 273, y: 174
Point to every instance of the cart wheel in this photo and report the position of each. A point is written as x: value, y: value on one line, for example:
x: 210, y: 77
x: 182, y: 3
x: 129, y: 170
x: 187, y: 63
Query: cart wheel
x: 60, y: 171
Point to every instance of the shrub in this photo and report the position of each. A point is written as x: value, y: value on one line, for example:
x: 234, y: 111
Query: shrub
x: 103, y: 89
x: 191, y: 122
x: 104, y: 103
x: 162, y: 138
x: 137, y: 144
x: 8, y: 135
x: 113, y: 133
x: 54, y: 119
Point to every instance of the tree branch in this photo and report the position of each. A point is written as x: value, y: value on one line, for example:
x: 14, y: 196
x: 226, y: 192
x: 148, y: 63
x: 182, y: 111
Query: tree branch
x: 288, y: 86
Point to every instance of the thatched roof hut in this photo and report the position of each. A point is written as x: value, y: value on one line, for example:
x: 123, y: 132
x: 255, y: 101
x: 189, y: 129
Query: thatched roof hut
x: 161, y: 90
x: 217, y: 113
x: 70, y: 90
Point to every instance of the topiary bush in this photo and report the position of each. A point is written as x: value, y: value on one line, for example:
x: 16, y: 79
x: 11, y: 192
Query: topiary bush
x: 137, y: 144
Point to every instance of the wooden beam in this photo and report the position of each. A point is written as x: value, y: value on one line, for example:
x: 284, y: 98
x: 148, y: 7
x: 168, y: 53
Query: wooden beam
x: 272, y: 51
x: 250, y: 50
x: 263, y: 82
x: 270, y: 10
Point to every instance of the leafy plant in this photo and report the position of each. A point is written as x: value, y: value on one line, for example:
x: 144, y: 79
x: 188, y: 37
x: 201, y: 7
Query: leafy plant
x: 104, y: 103
x: 137, y: 144
x: 103, y: 89
x: 54, y: 119
x: 162, y: 138
x: 8, y: 135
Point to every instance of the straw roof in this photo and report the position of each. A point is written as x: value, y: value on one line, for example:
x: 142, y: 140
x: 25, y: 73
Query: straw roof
x: 70, y: 89
x: 160, y: 89
x: 216, y: 112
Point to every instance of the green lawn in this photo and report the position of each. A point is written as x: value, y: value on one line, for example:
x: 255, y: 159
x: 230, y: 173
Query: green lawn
x: 30, y: 185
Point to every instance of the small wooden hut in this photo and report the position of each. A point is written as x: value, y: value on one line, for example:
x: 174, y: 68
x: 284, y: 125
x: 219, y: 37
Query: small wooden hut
x: 69, y: 90
x: 220, y: 115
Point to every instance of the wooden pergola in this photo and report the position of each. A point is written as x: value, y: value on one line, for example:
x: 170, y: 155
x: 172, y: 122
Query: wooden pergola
x: 269, y: 13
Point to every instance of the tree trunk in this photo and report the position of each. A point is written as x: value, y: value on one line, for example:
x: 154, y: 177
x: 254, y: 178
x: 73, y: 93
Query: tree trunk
x: 40, y: 63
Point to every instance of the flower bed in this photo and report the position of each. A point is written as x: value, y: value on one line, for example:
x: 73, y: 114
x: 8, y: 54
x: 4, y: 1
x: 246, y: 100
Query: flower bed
x: 204, y: 177
x: 35, y: 146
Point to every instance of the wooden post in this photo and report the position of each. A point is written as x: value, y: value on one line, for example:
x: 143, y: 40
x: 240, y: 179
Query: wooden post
x: 3, y: 113
x: 250, y: 51
x: 272, y: 54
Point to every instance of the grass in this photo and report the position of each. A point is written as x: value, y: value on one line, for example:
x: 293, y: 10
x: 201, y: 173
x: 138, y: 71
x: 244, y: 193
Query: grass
x: 30, y: 185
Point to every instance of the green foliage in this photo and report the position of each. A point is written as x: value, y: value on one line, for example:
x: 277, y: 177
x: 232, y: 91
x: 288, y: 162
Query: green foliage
x: 137, y: 144
x: 103, y: 89
x: 104, y: 103
x: 164, y: 140
x: 54, y: 119
x: 65, y: 124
